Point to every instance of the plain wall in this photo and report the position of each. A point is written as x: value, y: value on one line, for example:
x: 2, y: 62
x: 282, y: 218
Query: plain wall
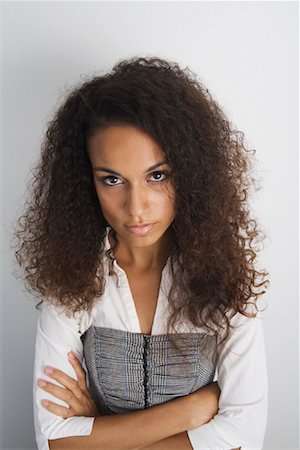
x: 246, y: 53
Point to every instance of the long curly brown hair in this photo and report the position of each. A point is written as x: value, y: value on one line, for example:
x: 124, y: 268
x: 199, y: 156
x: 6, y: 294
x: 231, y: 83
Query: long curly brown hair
x: 60, y: 234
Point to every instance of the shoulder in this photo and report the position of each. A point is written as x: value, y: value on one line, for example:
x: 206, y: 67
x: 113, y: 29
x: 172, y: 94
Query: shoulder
x: 57, y: 318
x: 242, y: 327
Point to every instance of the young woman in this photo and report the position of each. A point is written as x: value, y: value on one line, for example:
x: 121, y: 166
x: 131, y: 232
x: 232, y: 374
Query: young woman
x: 139, y: 239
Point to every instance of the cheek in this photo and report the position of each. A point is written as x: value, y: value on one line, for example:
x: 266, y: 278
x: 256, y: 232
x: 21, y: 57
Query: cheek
x: 164, y: 204
x: 168, y: 197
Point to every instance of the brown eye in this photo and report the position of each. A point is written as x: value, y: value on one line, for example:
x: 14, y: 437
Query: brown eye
x: 162, y: 176
x: 110, y: 180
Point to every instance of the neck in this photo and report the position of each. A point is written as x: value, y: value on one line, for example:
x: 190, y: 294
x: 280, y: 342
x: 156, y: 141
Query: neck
x: 142, y: 259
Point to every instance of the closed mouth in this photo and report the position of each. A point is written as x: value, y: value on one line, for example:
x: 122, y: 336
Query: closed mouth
x: 140, y: 225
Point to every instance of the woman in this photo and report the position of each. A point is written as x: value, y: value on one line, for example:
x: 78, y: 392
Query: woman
x: 139, y: 238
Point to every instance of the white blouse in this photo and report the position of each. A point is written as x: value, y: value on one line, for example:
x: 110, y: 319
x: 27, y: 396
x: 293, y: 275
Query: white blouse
x: 241, y: 369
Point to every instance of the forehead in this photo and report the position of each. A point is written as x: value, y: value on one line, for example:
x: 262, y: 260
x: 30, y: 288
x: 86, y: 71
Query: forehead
x: 123, y: 143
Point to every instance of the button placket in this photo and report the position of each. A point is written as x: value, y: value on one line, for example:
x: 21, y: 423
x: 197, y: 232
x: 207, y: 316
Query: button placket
x: 146, y: 370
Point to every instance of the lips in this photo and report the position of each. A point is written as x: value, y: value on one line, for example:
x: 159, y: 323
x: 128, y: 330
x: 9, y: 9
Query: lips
x: 140, y: 228
x: 140, y: 224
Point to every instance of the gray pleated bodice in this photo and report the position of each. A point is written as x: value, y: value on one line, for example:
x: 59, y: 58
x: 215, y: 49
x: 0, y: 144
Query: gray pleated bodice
x: 131, y: 371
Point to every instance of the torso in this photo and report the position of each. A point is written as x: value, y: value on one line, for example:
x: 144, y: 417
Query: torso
x: 145, y: 290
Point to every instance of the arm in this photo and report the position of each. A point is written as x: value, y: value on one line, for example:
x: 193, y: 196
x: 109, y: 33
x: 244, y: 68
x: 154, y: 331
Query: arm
x: 56, y: 335
x: 138, y: 429
x: 132, y: 431
x: 242, y: 378
x: 179, y: 441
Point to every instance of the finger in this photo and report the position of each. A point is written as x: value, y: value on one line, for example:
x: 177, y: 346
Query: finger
x: 56, y: 409
x: 64, y: 380
x: 59, y: 392
x: 79, y: 370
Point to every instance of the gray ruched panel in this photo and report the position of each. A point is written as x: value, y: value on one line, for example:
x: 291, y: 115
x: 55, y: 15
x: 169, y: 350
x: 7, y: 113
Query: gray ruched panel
x: 131, y: 371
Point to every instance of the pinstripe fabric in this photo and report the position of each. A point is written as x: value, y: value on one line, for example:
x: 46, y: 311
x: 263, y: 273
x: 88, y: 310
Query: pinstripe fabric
x: 131, y: 371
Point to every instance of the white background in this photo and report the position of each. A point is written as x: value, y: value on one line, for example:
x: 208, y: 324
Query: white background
x: 247, y: 55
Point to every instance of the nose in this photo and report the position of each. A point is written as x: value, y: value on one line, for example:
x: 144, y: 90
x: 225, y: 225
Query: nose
x: 137, y: 200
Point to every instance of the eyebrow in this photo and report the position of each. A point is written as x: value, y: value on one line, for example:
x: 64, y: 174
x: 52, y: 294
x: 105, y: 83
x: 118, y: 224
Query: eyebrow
x: 106, y: 169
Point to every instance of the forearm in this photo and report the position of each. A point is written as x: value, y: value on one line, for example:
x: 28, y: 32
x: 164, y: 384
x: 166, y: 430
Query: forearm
x: 179, y: 441
x: 134, y: 430
x: 176, y: 442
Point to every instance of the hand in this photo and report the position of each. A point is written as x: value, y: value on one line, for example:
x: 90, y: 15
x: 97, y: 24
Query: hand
x: 75, y: 392
x: 204, y: 404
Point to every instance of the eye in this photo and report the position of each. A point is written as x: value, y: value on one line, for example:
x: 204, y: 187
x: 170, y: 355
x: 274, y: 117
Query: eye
x: 110, y: 180
x: 164, y: 175
x: 105, y: 180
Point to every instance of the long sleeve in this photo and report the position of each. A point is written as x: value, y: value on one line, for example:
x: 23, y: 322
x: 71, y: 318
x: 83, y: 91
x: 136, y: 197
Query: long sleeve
x: 242, y: 379
x: 56, y: 336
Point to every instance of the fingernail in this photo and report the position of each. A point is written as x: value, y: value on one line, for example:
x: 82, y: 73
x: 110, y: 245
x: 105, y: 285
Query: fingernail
x: 45, y: 402
x: 49, y: 370
x: 71, y: 355
x: 42, y: 383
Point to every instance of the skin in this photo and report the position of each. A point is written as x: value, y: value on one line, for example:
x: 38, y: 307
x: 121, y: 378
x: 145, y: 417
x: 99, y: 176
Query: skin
x: 136, y: 195
x: 73, y: 392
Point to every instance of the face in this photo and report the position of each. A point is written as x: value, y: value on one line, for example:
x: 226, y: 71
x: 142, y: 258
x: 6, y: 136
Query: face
x: 133, y: 183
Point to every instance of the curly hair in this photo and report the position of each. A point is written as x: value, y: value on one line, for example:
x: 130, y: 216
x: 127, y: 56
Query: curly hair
x: 61, y: 230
